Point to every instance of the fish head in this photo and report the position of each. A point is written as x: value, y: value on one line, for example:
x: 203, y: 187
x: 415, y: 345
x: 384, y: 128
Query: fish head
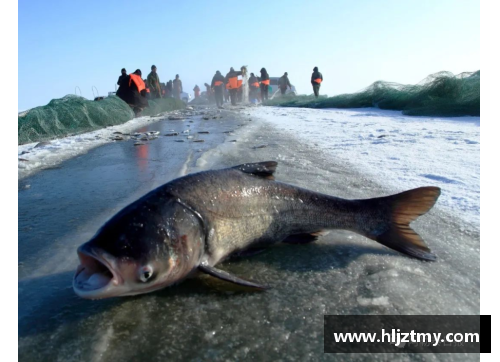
x: 145, y: 247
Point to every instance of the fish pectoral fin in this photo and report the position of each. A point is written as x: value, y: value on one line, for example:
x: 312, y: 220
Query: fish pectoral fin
x: 261, y: 169
x: 221, y: 274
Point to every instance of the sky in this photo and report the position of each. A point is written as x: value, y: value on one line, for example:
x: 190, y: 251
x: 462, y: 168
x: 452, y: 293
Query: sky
x: 67, y: 44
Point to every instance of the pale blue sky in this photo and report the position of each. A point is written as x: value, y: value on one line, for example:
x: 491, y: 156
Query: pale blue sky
x: 64, y: 44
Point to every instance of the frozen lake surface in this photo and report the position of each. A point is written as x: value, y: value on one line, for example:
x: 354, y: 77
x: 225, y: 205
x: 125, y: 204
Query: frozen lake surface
x: 204, y: 319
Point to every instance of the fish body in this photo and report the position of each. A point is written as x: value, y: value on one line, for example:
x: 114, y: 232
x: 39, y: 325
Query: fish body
x: 195, y: 222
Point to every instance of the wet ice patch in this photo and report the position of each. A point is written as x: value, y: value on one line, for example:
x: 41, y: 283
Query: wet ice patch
x: 40, y: 155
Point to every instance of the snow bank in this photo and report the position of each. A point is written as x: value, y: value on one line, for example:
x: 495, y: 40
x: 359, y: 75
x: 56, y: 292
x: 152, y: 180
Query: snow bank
x: 400, y: 152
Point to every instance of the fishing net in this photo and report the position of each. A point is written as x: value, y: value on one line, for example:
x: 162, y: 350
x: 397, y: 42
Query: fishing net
x: 160, y: 105
x: 70, y: 115
x: 73, y: 114
x: 440, y: 94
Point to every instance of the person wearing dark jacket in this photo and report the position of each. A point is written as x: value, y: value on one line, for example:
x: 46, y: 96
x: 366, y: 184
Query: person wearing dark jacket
x: 177, y: 87
x: 253, y: 83
x: 209, y: 93
x: 169, y: 89
x: 217, y: 85
x: 232, y: 84
x: 153, y: 83
x: 133, y: 92
x: 264, y: 84
x: 316, y: 79
x: 284, y: 83
x: 196, y: 91
x: 122, y: 77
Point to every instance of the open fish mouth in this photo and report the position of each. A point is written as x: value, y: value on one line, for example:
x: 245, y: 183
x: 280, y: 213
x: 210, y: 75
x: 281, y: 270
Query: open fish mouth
x: 96, y: 276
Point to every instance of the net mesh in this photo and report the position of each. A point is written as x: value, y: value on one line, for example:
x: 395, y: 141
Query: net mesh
x: 160, y: 105
x: 74, y: 114
x: 440, y: 94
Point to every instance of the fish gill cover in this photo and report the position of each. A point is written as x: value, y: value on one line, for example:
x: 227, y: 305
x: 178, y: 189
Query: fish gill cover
x: 74, y: 114
x: 440, y: 94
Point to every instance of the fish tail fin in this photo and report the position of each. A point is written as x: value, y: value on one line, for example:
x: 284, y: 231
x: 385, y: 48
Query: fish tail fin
x: 403, y: 208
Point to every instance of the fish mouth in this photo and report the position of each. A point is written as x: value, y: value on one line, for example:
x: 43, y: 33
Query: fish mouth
x: 96, y: 276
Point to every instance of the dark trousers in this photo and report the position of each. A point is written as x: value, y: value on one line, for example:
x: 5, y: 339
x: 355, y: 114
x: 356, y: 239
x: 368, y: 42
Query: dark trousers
x: 233, y: 94
x: 316, y: 89
x: 264, y: 92
x: 253, y: 93
x: 283, y: 91
x: 218, y: 96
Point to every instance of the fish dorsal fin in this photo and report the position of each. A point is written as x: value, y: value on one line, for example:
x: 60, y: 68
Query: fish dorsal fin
x: 224, y: 275
x: 261, y: 169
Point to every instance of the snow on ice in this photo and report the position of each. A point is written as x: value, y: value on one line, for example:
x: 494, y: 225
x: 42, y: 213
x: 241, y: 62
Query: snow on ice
x: 401, y: 152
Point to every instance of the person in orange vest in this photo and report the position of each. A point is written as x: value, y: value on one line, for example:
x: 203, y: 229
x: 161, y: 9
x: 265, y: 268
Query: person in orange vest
x: 133, y: 92
x: 218, y: 87
x: 232, y: 84
x: 254, y: 86
x: 196, y: 91
x: 316, y: 79
x: 177, y: 83
x: 264, y: 84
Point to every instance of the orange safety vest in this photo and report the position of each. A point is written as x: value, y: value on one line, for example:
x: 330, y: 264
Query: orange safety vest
x: 266, y: 82
x: 318, y: 80
x: 240, y: 83
x: 217, y: 83
x: 138, y: 82
x: 232, y: 83
x: 256, y: 84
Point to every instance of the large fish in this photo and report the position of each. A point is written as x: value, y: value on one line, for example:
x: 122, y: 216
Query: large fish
x: 194, y: 222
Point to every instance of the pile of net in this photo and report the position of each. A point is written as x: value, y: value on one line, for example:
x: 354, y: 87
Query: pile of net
x: 70, y: 115
x: 440, y: 94
x: 160, y: 105
x: 73, y: 115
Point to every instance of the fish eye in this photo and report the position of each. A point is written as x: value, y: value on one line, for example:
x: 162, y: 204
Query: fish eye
x: 145, y: 273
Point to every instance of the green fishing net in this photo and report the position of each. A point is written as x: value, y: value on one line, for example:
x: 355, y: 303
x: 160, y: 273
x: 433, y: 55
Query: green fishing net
x: 70, y: 115
x: 440, y: 94
x: 73, y: 114
x: 161, y: 105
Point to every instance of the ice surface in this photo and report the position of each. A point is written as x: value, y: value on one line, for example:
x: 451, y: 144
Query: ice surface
x: 205, y: 319
x: 32, y: 159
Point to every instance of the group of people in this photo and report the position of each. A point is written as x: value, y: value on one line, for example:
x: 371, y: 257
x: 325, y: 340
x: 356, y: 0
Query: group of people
x: 262, y: 83
x: 136, y: 91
